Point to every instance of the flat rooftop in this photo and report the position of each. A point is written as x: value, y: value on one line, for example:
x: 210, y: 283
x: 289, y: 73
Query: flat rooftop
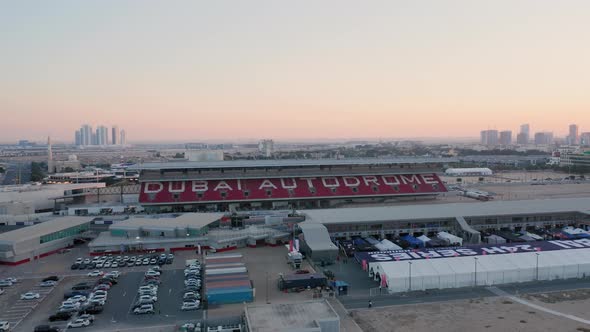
x: 195, y: 220
x: 450, y: 210
x: 287, y: 163
x: 43, y: 228
x: 286, y: 316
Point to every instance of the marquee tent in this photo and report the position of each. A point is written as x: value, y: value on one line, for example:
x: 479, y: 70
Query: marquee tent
x: 483, y: 270
x: 451, y: 238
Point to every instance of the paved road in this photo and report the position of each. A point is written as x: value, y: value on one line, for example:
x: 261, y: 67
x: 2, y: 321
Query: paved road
x: 358, y: 302
x: 13, y: 171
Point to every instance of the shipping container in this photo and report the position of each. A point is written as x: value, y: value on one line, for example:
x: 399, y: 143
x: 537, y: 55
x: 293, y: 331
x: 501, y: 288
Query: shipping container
x: 229, y: 295
x: 225, y: 271
x: 228, y: 283
x: 223, y: 265
x: 226, y: 276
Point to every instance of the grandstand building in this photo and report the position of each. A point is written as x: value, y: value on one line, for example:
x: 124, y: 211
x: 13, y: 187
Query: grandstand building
x: 294, y: 184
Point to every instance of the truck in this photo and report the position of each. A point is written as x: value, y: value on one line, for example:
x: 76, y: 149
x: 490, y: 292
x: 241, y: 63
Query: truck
x: 294, y: 258
x: 296, y: 282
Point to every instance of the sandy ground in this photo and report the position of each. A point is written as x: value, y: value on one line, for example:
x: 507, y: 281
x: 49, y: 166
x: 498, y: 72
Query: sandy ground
x: 489, y: 314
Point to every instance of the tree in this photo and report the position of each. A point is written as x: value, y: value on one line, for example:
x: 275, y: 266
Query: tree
x: 2, y: 170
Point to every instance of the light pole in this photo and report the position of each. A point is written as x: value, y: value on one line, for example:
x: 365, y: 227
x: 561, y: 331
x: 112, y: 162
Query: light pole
x: 537, y: 265
x: 475, y: 261
x: 410, y: 276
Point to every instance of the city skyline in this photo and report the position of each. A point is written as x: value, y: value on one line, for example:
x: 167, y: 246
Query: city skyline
x: 433, y: 69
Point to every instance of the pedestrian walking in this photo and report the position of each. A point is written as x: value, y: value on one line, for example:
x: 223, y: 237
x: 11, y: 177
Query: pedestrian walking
x: 370, y: 304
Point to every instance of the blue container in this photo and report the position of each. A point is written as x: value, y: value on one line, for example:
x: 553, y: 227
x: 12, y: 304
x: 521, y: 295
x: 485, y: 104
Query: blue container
x: 229, y: 295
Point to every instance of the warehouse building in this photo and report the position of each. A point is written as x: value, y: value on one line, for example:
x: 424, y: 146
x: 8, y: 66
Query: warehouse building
x: 463, y: 219
x: 308, y: 316
x: 163, y: 233
x: 42, y: 239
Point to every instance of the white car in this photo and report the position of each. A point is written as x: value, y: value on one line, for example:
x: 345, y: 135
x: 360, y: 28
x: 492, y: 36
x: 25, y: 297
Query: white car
x: 99, y: 292
x: 79, y: 322
x: 149, y: 288
x: 95, y: 273
x: 29, y: 296
x: 152, y: 273
x: 49, y: 283
x: 1, y: 291
x: 190, y: 306
x: 12, y: 280
x: 152, y: 298
x: 87, y: 317
x: 99, y: 298
x: 76, y: 299
x: 107, y: 264
x: 100, y: 264
x: 4, y: 326
x: 97, y: 302
x: 114, y: 274
x: 144, y: 309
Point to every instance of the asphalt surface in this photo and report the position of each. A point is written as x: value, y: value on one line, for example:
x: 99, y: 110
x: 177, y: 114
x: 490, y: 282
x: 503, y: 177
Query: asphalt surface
x: 433, y: 296
x: 13, y: 170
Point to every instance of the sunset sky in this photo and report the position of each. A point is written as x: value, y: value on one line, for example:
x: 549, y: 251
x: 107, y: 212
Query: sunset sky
x: 288, y: 70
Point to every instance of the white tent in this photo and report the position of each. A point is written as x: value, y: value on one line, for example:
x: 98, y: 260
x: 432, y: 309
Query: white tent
x: 423, y: 238
x: 455, y: 272
x: 574, y: 231
x: 533, y: 235
x: 495, y: 239
x: 390, y: 245
x: 450, y: 237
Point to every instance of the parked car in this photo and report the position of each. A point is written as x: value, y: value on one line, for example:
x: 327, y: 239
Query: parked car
x: 46, y: 328
x: 144, y: 309
x: 191, y: 296
x: 4, y: 326
x: 5, y: 283
x: 88, y: 317
x: 95, y: 273
x: 60, y: 316
x: 51, y: 278
x: 114, y: 274
x: 78, y: 322
x: 190, y: 306
x: 29, y: 296
x: 48, y: 283
x: 93, y: 309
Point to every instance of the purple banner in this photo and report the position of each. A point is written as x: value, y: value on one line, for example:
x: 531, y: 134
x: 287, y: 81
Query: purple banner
x: 476, y: 250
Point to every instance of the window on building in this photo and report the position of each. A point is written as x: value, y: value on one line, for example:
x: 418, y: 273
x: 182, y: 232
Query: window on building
x: 223, y: 194
x: 246, y: 193
x: 355, y: 189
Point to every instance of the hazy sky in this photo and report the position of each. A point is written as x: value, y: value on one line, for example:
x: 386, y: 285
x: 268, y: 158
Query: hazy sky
x: 196, y: 70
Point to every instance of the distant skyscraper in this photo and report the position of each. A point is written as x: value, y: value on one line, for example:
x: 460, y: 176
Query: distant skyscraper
x: 525, y: 134
x: 78, y: 138
x: 266, y: 146
x: 505, y: 137
x: 115, y: 135
x: 123, y: 138
x: 102, y: 135
x: 50, y: 167
x: 585, y: 139
x: 86, y: 134
x: 572, y: 138
x: 489, y: 137
x: 543, y: 138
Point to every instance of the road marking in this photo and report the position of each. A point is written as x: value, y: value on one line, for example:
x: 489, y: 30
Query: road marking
x: 500, y: 292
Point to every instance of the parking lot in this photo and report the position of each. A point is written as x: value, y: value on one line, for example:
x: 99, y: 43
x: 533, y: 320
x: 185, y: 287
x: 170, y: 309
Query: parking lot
x: 14, y: 309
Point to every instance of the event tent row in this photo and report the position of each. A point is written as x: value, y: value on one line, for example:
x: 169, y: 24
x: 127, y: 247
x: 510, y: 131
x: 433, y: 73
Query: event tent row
x: 481, y: 270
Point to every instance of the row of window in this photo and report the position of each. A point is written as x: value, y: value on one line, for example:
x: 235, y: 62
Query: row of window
x: 68, y: 232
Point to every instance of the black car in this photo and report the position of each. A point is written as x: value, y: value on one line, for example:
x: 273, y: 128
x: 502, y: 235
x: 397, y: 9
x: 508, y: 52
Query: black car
x: 169, y: 260
x: 93, y: 309
x: 82, y: 266
x: 51, y: 278
x: 106, y: 280
x: 91, y: 265
x: 75, y: 266
x: 81, y: 287
x: 60, y: 316
x: 46, y: 328
x: 161, y: 261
